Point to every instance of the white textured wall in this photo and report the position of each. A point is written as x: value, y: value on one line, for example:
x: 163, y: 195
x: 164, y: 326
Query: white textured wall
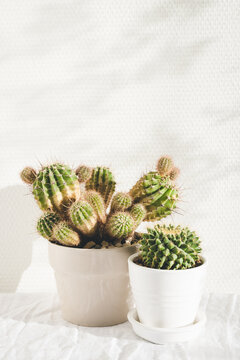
x: 118, y: 83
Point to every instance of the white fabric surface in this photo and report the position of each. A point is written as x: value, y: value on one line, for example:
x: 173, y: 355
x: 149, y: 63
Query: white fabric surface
x: 31, y: 328
x: 119, y: 83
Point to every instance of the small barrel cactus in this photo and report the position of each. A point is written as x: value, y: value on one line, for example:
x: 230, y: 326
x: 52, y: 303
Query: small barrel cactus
x: 65, y: 235
x: 120, y: 226
x: 121, y: 202
x: 83, y: 217
x: 174, y: 173
x: 46, y: 224
x: 28, y: 175
x: 83, y: 173
x: 164, y: 165
x: 96, y: 201
x: 138, y: 213
x: 56, y: 187
x: 157, y: 194
x: 169, y: 247
x: 102, y: 180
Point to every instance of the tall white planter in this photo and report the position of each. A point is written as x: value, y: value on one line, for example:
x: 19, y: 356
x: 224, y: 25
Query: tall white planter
x: 166, y: 298
x: 93, y: 284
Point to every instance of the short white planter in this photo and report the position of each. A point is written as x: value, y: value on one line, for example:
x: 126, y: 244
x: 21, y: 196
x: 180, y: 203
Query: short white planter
x: 93, y: 284
x: 166, y: 298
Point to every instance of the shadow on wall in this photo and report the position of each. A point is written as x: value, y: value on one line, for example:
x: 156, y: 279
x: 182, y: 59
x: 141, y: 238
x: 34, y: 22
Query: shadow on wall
x: 18, y: 215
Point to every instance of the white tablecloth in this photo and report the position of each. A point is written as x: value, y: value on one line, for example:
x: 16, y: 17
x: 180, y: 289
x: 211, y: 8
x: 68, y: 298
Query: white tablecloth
x: 31, y: 328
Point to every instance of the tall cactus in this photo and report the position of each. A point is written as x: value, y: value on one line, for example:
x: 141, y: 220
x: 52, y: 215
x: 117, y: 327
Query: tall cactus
x: 83, y: 217
x: 158, y: 194
x: 97, y: 203
x: 169, y: 247
x: 102, y: 180
x: 56, y: 187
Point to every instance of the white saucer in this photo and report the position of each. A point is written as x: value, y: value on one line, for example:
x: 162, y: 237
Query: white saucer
x: 166, y: 335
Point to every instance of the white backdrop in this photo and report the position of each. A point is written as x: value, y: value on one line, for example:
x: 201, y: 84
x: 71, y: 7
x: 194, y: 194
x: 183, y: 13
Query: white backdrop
x: 119, y: 83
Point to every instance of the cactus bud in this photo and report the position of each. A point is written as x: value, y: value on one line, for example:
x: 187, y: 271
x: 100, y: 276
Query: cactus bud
x: 174, y: 173
x: 120, y: 226
x: 121, y: 202
x: 83, y: 217
x: 83, y: 173
x: 65, y: 235
x: 165, y: 165
x: 138, y: 213
x: 46, y: 224
x: 96, y: 201
x: 28, y: 175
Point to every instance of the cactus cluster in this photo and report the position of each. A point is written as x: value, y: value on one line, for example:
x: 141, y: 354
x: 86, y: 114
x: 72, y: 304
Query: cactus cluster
x: 169, y: 247
x: 80, y: 208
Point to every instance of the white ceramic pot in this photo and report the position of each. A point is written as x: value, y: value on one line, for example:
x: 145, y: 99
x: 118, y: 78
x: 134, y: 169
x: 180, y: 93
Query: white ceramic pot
x: 166, y: 298
x: 93, y: 284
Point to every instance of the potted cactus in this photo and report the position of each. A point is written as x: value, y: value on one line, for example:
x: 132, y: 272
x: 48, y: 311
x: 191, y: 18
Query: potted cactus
x: 167, y: 276
x: 91, y: 233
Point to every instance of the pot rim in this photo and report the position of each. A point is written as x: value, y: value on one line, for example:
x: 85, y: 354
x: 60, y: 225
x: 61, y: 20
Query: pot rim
x: 145, y: 268
x: 69, y: 248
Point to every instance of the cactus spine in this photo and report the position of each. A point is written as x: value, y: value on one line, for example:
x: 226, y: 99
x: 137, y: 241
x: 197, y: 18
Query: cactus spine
x: 83, y: 217
x: 120, y: 226
x: 97, y: 203
x: 170, y: 248
x: 55, y: 187
x: 63, y: 233
x: 102, y: 180
x: 46, y: 224
x: 121, y: 202
x: 138, y: 213
x: 28, y: 175
x: 83, y: 173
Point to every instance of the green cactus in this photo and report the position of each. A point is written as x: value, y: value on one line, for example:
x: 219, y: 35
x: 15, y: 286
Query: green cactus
x: 83, y: 217
x: 169, y: 247
x: 46, y: 224
x: 102, y: 180
x: 97, y: 203
x: 121, y: 202
x: 65, y: 235
x: 174, y: 173
x: 138, y: 213
x: 164, y: 165
x: 56, y: 187
x: 157, y: 194
x: 28, y: 175
x: 120, y: 226
x: 83, y: 173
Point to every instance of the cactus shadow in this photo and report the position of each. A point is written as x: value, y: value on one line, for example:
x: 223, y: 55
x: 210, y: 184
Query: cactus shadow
x: 17, y: 220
